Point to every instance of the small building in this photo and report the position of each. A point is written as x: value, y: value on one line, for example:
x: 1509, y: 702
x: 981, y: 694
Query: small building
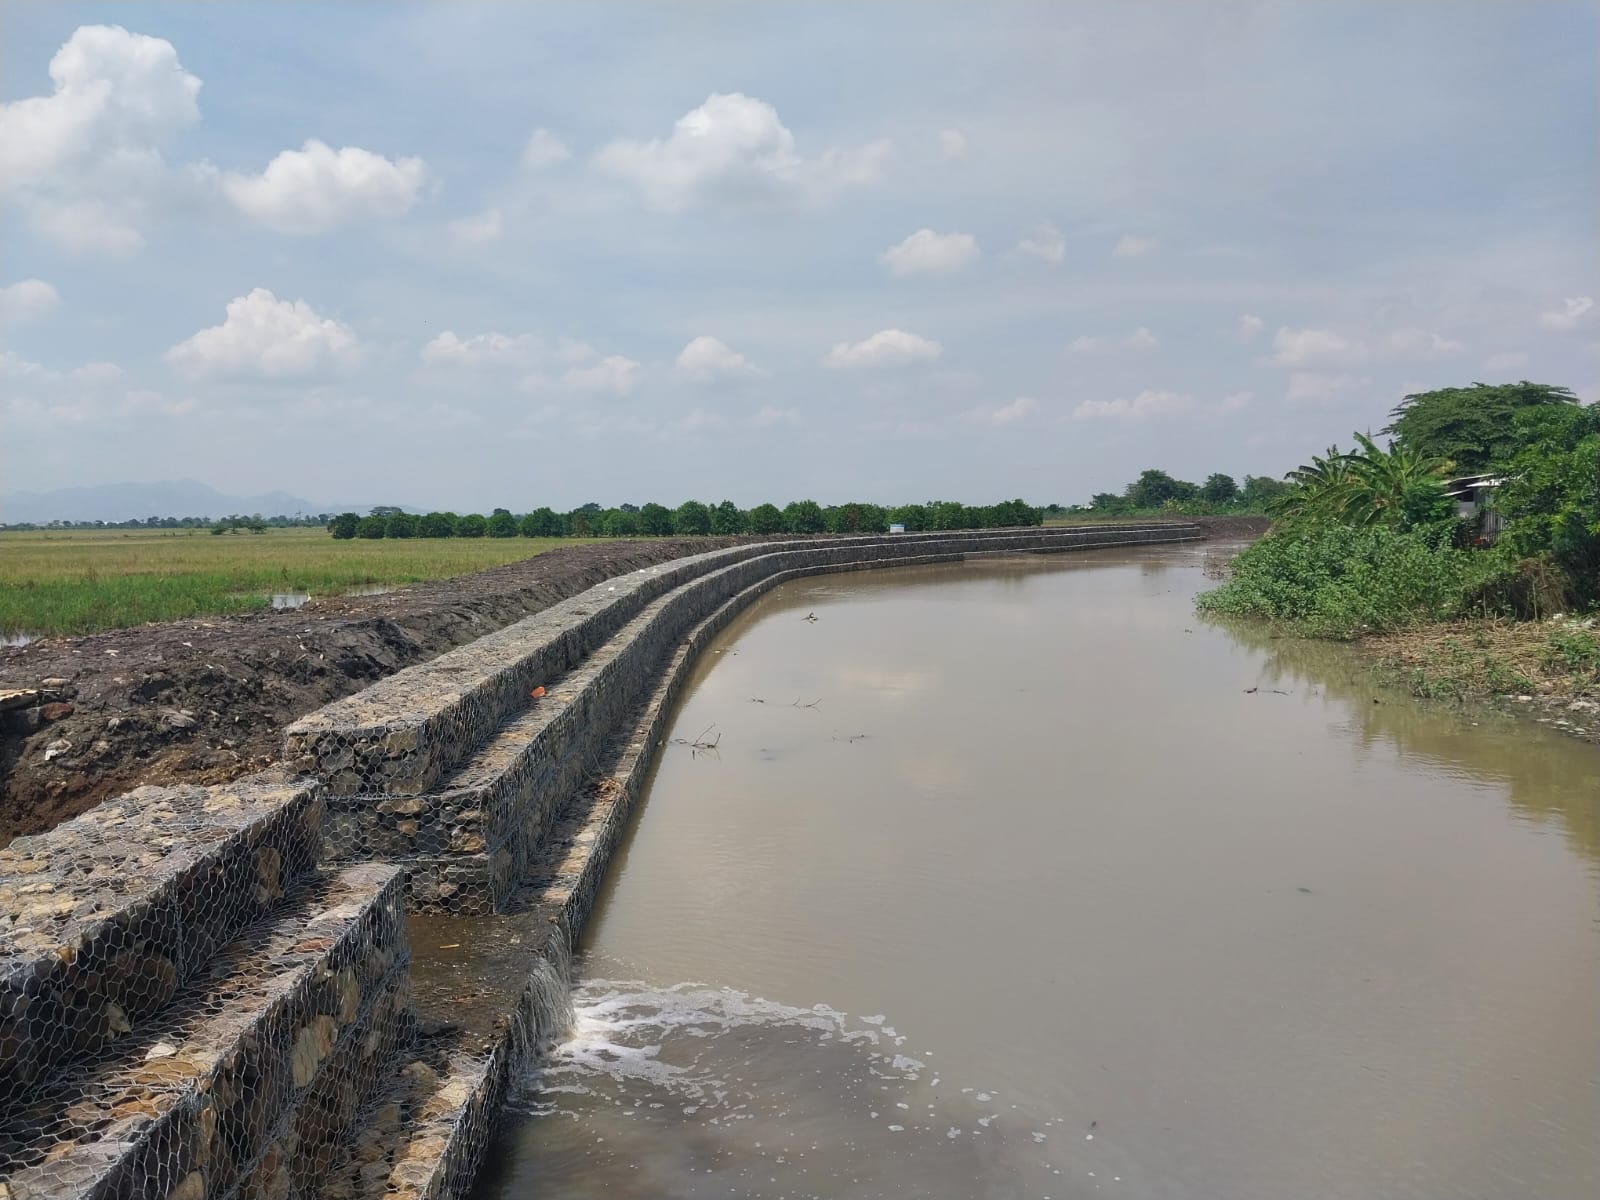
x: 1471, y: 494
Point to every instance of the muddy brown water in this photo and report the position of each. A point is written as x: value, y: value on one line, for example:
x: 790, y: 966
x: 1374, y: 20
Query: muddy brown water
x: 1060, y: 891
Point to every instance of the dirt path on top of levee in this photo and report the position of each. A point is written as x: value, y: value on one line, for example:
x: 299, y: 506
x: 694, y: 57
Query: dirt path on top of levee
x: 206, y: 700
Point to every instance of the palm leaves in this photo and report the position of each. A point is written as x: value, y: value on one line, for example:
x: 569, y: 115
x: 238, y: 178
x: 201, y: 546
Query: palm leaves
x: 1364, y: 487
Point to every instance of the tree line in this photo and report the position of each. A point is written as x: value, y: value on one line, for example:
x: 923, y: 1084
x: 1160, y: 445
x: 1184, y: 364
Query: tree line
x: 1156, y: 491
x: 692, y: 518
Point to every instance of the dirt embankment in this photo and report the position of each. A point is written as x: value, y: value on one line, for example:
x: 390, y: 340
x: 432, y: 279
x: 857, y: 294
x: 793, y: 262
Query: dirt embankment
x: 204, y: 701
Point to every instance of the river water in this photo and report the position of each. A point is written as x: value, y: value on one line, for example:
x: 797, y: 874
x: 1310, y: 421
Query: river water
x: 1022, y: 880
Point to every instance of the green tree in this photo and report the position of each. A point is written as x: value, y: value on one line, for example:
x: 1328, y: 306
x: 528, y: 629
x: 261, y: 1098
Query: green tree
x: 342, y: 527
x: 616, y: 522
x: 401, y: 525
x: 913, y: 516
x: 655, y: 520
x: 1259, y: 491
x: 582, y: 523
x: 803, y: 516
x: 1550, y: 498
x: 1154, y: 488
x: 692, y: 519
x: 437, y: 525
x: 543, y: 522
x: 1380, y: 480
x: 1109, y: 504
x: 502, y: 524
x: 765, y: 519
x: 1219, y: 489
x: 726, y: 519
x: 473, y: 525
x: 371, y: 527
x: 1470, y: 427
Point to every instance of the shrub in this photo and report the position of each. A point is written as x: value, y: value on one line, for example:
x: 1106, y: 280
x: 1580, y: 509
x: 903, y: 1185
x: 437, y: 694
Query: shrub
x: 437, y: 525
x: 1339, y: 581
x: 342, y: 527
x: 371, y: 527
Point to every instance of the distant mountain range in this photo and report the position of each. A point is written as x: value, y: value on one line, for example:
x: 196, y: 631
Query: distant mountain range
x: 134, y: 501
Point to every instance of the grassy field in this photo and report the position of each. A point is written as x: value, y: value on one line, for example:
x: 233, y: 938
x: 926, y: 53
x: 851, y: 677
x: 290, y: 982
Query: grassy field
x: 81, y: 581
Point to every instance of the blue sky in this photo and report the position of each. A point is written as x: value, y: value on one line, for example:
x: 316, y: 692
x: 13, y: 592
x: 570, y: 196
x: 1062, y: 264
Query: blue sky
x: 464, y: 255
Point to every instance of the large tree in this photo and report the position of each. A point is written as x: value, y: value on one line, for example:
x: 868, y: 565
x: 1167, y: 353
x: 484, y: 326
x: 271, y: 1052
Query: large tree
x: 1469, y: 427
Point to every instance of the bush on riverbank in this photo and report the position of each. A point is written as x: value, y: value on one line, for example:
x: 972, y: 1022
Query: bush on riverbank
x: 1339, y: 581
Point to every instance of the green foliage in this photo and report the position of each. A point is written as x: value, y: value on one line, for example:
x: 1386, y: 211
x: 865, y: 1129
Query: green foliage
x: 400, y: 525
x: 856, y: 518
x: 1470, y: 427
x: 1551, y: 495
x: 803, y: 516
x: 372, y: 527
x: 764, y: 519
x: 1576, y: 650
x: 727, y: 519
x: 913, y: 516
x: 1260, y: 491
x: 582, y: 523
x: 473, y: 525
x: 1219, y: 489
x: 655, y: 520
x: 1332, y: 580
x: 619, y: 522
x: 1154, y: 488
x: 344, y: 525
x: 501, y: 524
x: 543, y: 522
x: 1366, y: 487
x: 692, y: 519
x: 437, y: 525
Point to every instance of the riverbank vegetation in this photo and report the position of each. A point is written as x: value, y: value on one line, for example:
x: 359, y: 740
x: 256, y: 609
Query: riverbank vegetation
x: 1375, y: 541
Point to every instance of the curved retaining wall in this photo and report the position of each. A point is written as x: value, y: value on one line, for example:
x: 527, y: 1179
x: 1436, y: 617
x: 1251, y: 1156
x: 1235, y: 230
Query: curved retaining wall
x: 192, y: 1008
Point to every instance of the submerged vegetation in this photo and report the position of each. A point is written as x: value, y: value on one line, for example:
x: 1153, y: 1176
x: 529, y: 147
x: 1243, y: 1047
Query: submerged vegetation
x: 1371, y: 542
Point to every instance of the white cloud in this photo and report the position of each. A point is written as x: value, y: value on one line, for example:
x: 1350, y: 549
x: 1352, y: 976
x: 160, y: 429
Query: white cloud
x: 1575, y: 310
x: 27, y: 298
x: 1044, y: 242
x: 484, y: 227
x: 14, y: 366
x: 614, y: 375
x: 267, y: 337
x: 1250, y: 327
x: 706, y: 359
x: 1310, y: 387
x: 770, y: 415
x: 317, y: 188
x: 1505, y: 361
x: 1420, y: 343
x: 1236, y: 402
x: 481, y: 350
x: 887, y: 347
x: 544, y: 149
x: 1084, y: 344
x: 1141, y: 339
x: 1019, y: 409
x: 1133, y: 245
x: 83, y: 161
x: 95, y: 374
x: 1145, y: 405
x: 928, y: 253
x: 953, y: 142
x: 733, y: 150
x: 1310, y: 347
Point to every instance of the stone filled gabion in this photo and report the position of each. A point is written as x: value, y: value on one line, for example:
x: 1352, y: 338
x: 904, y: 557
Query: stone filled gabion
x: 104, y: 918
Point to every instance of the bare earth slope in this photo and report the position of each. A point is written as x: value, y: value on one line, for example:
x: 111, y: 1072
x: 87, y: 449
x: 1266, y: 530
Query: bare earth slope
x: 204, y: 701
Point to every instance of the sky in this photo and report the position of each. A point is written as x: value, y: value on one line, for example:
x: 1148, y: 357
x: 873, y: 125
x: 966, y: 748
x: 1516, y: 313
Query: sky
x: 462, y: 255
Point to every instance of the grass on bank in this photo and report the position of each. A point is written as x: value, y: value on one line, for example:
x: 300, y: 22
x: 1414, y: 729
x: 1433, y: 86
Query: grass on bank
x: 63, y: 582
x: 1474, y: 660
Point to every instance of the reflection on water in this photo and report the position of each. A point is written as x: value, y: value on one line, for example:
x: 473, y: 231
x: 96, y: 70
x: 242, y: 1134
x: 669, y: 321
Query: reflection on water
x: 1119, y: 901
